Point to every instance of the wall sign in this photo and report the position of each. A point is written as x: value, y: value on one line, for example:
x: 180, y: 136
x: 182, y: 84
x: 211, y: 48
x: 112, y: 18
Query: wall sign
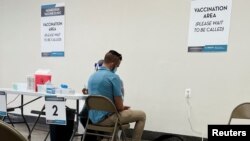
x: 209, y: 25
x: 52, y: 30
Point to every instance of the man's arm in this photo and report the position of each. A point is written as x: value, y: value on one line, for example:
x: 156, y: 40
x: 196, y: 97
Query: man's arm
x: 119, y: 103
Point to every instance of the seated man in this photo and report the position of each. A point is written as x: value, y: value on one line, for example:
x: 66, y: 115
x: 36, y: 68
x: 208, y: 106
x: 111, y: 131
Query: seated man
x: 106, y: 83
x: 84, y: 112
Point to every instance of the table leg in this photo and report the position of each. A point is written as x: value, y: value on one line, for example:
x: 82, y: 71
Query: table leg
x: 39, y: 115
x: 21, y: 107
x: 77, y: 121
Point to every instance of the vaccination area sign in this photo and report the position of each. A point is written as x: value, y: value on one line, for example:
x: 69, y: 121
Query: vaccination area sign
x: 52, y: 30
x: 209, y: 25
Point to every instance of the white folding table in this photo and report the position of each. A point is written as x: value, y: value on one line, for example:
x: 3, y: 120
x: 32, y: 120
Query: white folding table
x: 76, y: 96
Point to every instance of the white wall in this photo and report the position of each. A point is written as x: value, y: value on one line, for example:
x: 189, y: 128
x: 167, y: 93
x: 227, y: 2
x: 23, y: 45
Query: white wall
x: 152, y: 37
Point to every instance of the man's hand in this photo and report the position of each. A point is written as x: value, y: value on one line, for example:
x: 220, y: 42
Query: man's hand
x: 85, y: 91
x: 126, y: 107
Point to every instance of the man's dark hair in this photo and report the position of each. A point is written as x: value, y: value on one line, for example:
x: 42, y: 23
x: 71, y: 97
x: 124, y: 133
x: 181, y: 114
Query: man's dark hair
x: 113, y: 52
x: 112, y: 56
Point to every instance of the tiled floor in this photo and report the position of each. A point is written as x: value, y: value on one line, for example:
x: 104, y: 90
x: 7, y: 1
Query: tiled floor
x: 39, y: 133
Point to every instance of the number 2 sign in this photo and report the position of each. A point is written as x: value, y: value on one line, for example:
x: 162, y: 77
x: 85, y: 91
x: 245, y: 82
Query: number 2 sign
x: 55, y: 110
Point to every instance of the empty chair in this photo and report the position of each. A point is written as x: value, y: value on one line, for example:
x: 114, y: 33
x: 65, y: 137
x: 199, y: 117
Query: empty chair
x: 104, y: 104
x: 9, y: 133
x: 241, y: 111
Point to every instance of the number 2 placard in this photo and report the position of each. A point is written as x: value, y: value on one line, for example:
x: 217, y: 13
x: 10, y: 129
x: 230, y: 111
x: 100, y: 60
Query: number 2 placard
x: 55, y: 110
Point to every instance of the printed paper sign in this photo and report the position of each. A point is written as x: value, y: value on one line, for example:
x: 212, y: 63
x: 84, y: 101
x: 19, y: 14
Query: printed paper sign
x: 209, y: 25
x: 52, y: 30
x: 3, y: 105
x: 55, y: 110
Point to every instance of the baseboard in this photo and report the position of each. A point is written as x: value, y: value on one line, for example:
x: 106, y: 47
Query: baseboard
x: 147, y: 135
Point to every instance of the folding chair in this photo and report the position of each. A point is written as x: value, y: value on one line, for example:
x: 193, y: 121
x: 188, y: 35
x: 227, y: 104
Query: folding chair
x: 94, y: 102
x: 9, y: 133
x: 241, y: 111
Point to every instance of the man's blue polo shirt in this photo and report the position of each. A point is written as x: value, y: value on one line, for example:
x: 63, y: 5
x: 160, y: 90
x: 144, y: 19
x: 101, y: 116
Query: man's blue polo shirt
x: 106, y: 83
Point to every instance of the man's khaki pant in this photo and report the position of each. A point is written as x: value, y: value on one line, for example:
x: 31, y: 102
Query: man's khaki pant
x: 129, y: 116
